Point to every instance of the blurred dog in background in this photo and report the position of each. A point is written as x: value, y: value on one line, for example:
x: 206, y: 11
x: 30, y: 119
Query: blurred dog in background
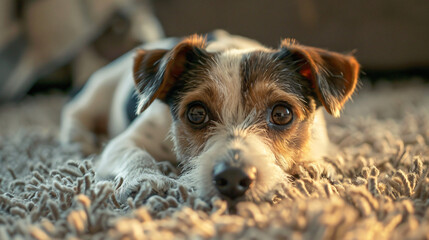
x: 47, y: 44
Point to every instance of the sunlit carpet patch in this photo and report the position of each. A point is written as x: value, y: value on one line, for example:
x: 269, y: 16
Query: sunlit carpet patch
x: 380, y: 189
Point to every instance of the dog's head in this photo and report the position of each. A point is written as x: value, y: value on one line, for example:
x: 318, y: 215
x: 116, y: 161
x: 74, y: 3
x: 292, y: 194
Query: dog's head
x: 242, y: 117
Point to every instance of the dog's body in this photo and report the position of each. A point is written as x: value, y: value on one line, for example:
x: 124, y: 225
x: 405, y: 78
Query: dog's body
x: 237, y: 116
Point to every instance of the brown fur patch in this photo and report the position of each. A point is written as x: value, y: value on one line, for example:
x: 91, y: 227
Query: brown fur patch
x: 333, y: 75
x: 267, y: 80
x: 290, y: 145
x: 156, y: 71
x: 192, y: 140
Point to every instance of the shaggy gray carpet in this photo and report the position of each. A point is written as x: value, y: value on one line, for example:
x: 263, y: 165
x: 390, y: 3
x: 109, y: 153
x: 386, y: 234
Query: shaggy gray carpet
x: 381, y: 191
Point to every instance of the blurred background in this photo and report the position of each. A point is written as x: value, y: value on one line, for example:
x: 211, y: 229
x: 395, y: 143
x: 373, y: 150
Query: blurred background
x: 51, y: 45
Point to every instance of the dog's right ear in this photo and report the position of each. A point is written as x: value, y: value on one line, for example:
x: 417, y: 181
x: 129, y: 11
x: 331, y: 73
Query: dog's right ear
x: 157, y: 71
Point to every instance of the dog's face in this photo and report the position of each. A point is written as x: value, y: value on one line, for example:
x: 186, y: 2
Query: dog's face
x: 242, y: 118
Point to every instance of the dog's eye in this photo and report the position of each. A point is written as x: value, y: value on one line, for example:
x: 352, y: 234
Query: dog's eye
x: 197, y: 114
x: 281, y: 115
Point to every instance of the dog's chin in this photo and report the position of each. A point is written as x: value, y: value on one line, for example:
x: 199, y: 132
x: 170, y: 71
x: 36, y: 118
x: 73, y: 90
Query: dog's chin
x: 232, y: 203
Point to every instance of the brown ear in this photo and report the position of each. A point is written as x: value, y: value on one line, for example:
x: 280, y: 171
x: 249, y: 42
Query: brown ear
x: 156, y: 71
x: 333, y: 75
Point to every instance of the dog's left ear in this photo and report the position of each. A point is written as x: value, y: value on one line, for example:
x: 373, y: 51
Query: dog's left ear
x: 156, y: 72
x: 333, y: 76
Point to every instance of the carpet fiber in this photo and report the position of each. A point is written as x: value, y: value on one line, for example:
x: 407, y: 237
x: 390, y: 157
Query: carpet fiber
x: 381, y: 190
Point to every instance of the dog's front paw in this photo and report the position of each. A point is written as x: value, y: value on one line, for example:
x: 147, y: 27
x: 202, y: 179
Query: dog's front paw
x: 153, y: 183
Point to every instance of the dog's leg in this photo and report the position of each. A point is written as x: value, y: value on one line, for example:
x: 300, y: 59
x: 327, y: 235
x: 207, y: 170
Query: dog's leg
x: 132, y: 155
x: 88, y: 113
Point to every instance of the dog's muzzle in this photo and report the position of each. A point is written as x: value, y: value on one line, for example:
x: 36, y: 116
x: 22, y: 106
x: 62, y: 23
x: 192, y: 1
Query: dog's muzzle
x: 233, y: 182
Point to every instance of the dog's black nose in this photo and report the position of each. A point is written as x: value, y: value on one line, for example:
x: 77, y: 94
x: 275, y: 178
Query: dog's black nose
x: 233, y: 182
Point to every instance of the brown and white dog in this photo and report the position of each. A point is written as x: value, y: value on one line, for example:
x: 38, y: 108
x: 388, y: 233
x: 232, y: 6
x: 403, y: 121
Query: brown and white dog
x: 237, y: 116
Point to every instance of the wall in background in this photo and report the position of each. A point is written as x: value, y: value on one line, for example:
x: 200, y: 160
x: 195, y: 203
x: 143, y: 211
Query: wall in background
x: 386, y: 34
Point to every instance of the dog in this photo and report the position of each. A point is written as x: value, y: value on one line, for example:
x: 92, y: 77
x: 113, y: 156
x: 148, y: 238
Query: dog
x: 237, y: 117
